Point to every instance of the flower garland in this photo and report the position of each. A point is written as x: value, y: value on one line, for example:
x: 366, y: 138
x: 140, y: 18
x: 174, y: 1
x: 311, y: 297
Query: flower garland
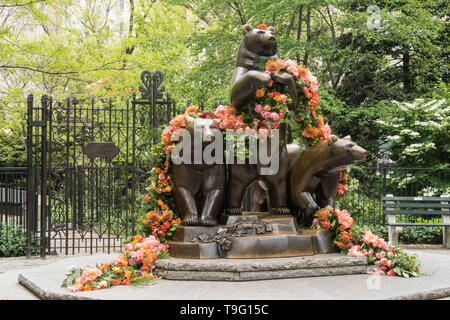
x: 361, y: 242
x: 134, y: 266
x: 310, y: 125
x: 343, y: 184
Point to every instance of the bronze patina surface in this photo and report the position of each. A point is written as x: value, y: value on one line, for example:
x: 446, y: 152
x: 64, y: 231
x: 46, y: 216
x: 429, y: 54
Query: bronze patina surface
x: 199, y: 189
x: 252, y: 235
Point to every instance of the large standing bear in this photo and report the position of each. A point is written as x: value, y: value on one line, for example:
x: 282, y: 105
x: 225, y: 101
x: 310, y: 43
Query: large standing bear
x: 199, y: 189
x: 257, y: 46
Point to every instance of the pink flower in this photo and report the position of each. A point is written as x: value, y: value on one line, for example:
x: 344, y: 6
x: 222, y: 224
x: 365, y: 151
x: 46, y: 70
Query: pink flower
x: 391, y: 273
x: 326, y: 131
x: 315, y: 221
x: 355, y: 251
x: 266, y: 115
x: 274, y: 116
x: 132, y: 262
x: 162, y: 176
x: 102, y: 285
x: 128, y: 247
x: 326, y: 224
x: 381, y: 254
x: 258, y: 108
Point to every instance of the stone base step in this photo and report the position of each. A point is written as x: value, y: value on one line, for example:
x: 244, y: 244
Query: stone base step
x: 259, y: 269
x: 270, y: 245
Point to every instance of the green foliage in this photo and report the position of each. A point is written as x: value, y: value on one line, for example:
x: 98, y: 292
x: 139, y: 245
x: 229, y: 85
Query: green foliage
x: 13, y: 242
x: 417, y: 131
x: 12, y: 150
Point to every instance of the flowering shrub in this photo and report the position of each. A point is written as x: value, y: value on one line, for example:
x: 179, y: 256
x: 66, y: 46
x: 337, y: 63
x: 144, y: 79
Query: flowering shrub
x: 343, y: 183
x: 361, y: 242
x: 417, y: 132
x: 134, y: 266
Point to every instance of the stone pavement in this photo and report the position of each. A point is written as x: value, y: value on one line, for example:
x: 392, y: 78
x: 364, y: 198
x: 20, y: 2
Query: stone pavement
x: 46, y: 280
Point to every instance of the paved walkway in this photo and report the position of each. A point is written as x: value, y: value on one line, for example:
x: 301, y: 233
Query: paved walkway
x: 48, y: 274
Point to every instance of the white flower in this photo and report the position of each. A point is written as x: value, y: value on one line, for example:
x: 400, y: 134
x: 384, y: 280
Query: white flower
x: 393, y: 138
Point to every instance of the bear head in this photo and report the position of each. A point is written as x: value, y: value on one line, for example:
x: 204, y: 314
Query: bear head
x: 207, y: 127
x: 261, y: 42
x: 344, y: 152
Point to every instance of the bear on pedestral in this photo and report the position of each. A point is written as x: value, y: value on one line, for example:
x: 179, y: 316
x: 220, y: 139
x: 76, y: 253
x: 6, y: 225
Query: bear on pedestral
x: 313, y: 172
x: 257, y: 46
x: 199, y: 188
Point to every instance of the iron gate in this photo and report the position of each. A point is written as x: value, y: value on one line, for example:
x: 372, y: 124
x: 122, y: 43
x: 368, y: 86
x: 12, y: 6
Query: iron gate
x: 86, y: 162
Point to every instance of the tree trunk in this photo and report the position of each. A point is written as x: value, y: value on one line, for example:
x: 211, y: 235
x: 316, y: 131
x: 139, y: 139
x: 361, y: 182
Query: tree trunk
x: 406, y: 70
x: 299, y: 30
x: 308, y: 35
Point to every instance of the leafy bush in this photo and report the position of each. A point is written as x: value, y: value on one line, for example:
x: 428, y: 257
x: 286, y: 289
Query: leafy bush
x: 12, y: 150
x: 412, y: 235
x: 417, y: 131
x: 13, y: 242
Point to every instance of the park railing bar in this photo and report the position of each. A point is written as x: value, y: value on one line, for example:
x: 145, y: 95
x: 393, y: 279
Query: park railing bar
x: 13, y: 199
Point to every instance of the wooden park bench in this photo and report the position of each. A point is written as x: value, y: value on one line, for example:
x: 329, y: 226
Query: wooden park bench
x: 423, y: 206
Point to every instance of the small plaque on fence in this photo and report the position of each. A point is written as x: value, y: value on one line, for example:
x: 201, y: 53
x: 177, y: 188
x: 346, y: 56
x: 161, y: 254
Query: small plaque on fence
x: 101, y: 150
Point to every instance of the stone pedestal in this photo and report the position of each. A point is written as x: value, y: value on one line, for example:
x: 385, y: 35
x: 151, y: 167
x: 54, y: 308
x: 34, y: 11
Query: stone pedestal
x: 252, y: 235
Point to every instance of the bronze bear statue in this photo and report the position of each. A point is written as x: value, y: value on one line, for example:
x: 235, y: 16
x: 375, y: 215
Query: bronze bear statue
x: 199, y: 188
x: 315, y: 171
x: 257, y: 46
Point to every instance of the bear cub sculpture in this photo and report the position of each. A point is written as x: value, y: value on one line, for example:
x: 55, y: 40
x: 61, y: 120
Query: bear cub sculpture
x: 316, y: 172
x: 199, y: 188
x: 313, y: 175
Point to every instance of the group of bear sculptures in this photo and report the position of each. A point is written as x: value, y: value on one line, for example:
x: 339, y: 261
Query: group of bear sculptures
x: 305, y: 180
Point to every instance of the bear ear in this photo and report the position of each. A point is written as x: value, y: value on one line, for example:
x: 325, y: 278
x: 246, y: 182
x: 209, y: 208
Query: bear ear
x: 332, y: 139
x: 347, y: 138
x: 246, y: 28
x: 272, y: 29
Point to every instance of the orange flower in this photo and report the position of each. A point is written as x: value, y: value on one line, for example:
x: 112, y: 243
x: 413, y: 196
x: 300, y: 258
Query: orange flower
x: 191, y: 109
x: 260, y: 93
x: 116, y: 282
x: 168, y: 189
x: 262, y: 26
x: 160, y: 202
x: 126, y: 282
x: 273, y: 65
x: 87, y: 288
x: 302, y: 71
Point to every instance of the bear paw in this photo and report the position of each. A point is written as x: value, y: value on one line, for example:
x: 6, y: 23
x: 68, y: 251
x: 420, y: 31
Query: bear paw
x: 191, y: 221
x: 233, y: 211
x: 280, y: 211
x: 208, y: 222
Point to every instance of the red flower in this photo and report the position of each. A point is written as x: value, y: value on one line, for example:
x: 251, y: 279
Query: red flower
x: 147, y: 197
x: 262, y: 26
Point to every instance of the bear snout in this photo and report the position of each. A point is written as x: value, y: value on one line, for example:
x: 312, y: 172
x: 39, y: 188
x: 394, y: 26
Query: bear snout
x: 358, y: 153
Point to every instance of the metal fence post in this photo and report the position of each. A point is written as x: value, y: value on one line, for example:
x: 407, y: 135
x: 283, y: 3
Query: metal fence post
x: 44, y: 101
x: 29, y: 172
